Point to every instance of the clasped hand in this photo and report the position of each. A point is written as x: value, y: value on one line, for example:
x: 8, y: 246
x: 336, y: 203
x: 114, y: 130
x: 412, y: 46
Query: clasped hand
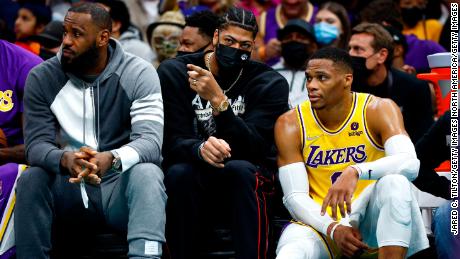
x: 214, y: 151
x: 87, y: 164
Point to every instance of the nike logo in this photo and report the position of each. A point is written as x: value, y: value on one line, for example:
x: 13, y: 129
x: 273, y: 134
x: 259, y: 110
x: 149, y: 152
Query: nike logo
x: 312, y: 138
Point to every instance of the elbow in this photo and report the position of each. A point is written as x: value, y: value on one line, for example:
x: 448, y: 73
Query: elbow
x: 410, y: 168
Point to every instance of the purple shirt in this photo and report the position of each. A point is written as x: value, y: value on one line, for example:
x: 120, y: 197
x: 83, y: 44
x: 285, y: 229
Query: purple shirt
x: 418, y: 50
x: 15, y: 64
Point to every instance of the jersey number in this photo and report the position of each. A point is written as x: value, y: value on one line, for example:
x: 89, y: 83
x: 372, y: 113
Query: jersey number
x: 334, y: 176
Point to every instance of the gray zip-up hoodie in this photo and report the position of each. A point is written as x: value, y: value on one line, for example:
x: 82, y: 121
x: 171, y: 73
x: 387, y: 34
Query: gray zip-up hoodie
x: 121, y: 110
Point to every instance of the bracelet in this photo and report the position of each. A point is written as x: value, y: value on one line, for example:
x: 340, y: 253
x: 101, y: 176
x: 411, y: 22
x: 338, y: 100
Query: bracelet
x: 358, y: 170
x: 331, y: 235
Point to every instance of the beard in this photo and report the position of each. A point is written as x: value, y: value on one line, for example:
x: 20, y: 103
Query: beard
x: 81, y: 62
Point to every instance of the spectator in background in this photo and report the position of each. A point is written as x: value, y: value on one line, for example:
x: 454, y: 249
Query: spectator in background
x: 123, y: 31
x: 198, y: 32
x: 415, y: 21
x: 164, y: 35
x: 15, y: 64
x: 143, y: 13
x: 399, y: 50
x: 386, y: 12
x: 371, y: 48
x: 258, y: 6
x: 218, y: 149
x: 297, y: 44
x: 32, y: 19
x: 188, y: 7
x: 50, y: 39
x: 332, y: 26
x: 269, y: 47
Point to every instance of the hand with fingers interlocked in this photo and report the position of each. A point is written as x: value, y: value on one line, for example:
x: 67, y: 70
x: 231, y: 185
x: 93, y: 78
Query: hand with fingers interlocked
x: 203, y: 82
x: 214, y: 151
x: 87, y: 164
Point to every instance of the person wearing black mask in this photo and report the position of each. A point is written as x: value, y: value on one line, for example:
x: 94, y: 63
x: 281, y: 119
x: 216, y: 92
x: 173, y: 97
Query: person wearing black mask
x: 297, y: 44
x: 371, y: 49
x: 198, y: 32
x: 219, y: 154
x: 413, y: 15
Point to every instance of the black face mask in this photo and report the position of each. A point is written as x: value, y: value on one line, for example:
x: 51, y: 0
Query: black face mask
x: 411, y: 16
x: 231, y: 59
x: 360, y: 73
x: 182, y: 53
x: 295, y: 54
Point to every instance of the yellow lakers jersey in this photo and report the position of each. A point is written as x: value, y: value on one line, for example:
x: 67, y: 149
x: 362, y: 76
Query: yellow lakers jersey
x: 326, y: 152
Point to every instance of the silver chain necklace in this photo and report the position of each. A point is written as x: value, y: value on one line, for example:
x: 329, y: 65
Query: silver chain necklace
x: 208, y: 65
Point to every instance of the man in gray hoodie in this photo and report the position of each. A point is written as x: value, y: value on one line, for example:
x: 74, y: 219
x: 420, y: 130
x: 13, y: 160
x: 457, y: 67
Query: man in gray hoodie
x: 93, y: 135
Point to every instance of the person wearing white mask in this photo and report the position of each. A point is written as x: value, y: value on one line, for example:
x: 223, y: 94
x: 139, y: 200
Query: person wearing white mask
x: 332, y: 26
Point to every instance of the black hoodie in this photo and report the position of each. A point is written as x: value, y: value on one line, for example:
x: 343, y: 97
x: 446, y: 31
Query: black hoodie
x: 257, y: 99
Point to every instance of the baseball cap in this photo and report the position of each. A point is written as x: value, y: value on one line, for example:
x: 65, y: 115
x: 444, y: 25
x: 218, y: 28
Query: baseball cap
x: 296, y: 25
x: 51, y: 36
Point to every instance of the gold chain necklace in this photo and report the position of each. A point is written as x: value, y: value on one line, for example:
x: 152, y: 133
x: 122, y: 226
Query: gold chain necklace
x: 208, y: 65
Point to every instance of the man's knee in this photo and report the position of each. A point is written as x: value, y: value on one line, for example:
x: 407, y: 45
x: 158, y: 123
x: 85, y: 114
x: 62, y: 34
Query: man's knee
x: 394, y: 191
x: 241, y: 171
x: 394, y: 186
x: 179, y: 176
x: 146, y: 174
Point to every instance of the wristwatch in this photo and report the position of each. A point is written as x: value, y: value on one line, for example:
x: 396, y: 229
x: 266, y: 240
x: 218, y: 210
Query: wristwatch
x: 116, y: 162
x: 223, y: 106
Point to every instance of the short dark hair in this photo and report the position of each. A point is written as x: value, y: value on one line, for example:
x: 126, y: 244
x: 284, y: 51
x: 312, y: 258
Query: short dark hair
x: 119, y: 12
x: 380, y: 11
x: 206, y: 22
x: 41, y: 11
x: 339, y: 56
x: 239, y: 17
x: 99, y: 15
x: 382, y: 38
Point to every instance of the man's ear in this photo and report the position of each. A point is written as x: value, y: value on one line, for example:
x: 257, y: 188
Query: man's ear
x: 215, y: 38
x: 383, y: 56
x: 398, y: 51
x: 348, y: 80
x: 103, y: 37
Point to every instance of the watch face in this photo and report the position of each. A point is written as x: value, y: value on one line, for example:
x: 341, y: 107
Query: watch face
x: 116, y: 163
x: 224, y: 106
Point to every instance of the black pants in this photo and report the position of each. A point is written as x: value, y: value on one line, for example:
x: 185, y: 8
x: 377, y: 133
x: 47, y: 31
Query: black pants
x: 197, y: 192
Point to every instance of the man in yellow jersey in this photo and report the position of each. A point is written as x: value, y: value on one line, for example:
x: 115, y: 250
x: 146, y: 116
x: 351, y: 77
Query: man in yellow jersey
x: 345, y: 162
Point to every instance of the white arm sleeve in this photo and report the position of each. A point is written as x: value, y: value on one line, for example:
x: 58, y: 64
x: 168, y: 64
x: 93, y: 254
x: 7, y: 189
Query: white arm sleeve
x: 400, y: 158
x: 294, y: 182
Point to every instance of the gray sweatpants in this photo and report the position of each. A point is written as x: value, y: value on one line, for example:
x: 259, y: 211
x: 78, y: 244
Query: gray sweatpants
x: 133, y: 201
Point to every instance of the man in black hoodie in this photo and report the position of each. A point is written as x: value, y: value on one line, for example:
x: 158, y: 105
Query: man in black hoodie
x: 220, y: 110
